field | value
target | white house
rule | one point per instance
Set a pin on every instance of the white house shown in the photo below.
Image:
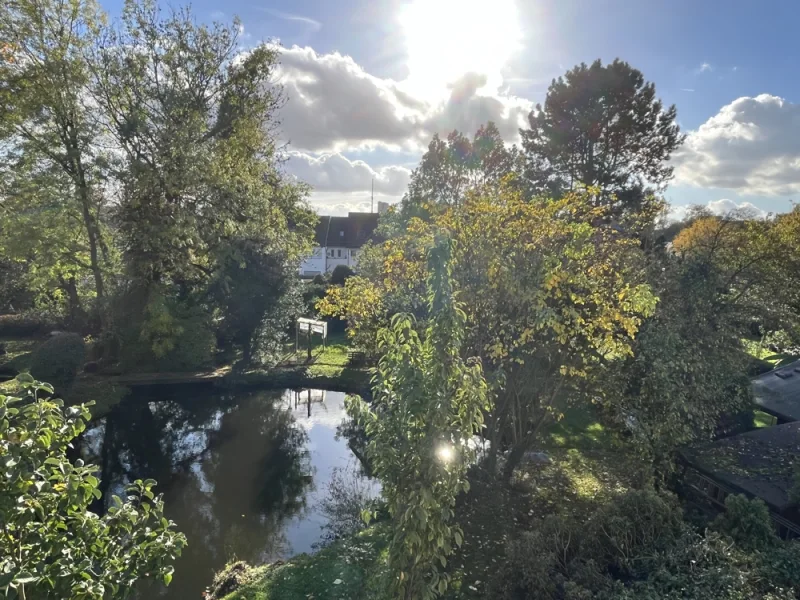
(339, 240)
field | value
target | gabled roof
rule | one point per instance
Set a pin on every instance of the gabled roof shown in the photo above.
(759, 463)
(352, 231)
(778, 392)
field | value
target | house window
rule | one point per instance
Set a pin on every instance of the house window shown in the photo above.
(341, 234)
(339, 253)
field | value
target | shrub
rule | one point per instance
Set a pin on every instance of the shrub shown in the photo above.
(172, 337)
(564, 558)
(637, 547)
(340, 274)
(52, 546)
(529, 570)
(746, 522)
(634, 523)
(58, 360)
(781, 565)
(25, 325)
(313, 293)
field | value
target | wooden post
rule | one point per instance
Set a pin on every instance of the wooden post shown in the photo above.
(309, 402)
(309, 344)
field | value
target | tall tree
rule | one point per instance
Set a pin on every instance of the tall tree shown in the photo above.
(550, 298)
(47, 126)
(453, 166)
(601, 126)
(194, 119)
(686, 378)
(755, 263)
(200, 178)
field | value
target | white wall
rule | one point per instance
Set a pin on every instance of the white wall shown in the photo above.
(337, 256)
(353, 264)
(325, 260)
(314, 264)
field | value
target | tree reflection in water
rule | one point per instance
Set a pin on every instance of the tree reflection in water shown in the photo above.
(236, 471)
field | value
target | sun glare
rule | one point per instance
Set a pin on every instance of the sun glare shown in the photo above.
(446, 453)
(447, 38)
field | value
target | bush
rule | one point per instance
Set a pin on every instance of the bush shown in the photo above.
(746, 522)
(564, 558)
(638, 547)
(340, 274)
(25, 325)
(529, 570)
(781, 565)
(52, 547)
(171, 337)
(634, 523)
(313, 293)
(58, 360)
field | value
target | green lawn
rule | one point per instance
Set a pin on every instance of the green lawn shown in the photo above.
(18, 353)
(762, 419)
(579, 427)
(343, 571)
(332, 353)
(756, 350)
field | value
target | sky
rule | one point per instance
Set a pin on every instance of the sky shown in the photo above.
(368, 83)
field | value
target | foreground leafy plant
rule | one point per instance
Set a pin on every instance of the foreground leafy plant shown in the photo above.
(428, 404)
(52, 545)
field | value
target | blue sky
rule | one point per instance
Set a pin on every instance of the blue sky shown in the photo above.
(370, 81)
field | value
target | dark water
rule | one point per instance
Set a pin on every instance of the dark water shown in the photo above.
(242, 474)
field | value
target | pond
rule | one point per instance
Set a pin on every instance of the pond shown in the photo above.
(242, 474)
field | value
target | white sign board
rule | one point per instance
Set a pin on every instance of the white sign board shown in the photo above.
(320, 327)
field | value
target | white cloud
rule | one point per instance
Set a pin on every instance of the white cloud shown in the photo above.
(725, 207)
(338, 204)
(704, 68)
(752, 146)
(469, 106)
(722, 207)
(336, 173)
(335, 105)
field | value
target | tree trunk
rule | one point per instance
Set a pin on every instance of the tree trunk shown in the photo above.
(76, 312)
(513, 459)
(89, 220)
(520, 447)
(92, 231)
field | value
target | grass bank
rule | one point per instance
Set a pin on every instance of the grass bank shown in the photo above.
(329, 368)
(346, 570)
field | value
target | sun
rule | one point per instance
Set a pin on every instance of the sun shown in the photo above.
(447, 38)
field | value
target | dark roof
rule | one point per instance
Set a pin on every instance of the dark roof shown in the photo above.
(778, 392)
(759, 462)
(352, 231)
